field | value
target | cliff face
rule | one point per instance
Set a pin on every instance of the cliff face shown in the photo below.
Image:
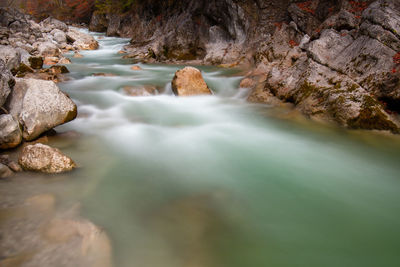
(217, 31)
(336, 60)
(214, 31)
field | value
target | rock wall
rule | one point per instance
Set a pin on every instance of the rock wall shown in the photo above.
(335, 60)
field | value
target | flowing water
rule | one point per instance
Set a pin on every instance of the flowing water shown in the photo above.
(215, 181)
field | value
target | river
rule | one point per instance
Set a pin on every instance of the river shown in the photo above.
(215, 181)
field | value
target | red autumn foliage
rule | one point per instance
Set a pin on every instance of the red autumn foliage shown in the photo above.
(357, 7)
(306, 6)
(79, 8)
(396, 58)
(73, 10)
(293, 43)
(278, 25)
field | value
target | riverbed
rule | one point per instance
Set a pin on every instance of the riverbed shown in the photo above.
(215, 180)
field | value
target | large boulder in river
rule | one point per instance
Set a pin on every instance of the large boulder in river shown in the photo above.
(39, 106)
(189, 81)
(43, 158)
(6, 82)
(10, 56)
(10, 133)
(81, 40)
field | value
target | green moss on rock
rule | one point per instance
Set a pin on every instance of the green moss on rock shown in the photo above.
(372, 117)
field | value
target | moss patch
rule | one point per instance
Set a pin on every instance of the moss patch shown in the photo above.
(371, 117)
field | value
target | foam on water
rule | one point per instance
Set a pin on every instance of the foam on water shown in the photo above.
(216, 181)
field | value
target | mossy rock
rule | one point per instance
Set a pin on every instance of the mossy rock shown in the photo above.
(36, 62)
(22, 70)
(372, 117)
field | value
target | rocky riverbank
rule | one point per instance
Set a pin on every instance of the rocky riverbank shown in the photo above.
(31, 104)
(34, 230)
(335, 61)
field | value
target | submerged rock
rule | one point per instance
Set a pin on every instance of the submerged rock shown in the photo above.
(5, 171)
(93, 243)
(43, 158)
(10, 133)
(103, 74)
(43, 203)
(144, 90)
(40, 106)
(136, 67)
(77, 55)
(189, 81)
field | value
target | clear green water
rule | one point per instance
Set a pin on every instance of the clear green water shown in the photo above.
(215, 181)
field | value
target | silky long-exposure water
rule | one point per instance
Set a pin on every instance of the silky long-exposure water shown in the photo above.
(215, 181)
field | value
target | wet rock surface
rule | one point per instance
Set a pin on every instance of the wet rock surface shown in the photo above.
(37, 232)
(189, 81)
(43, 158)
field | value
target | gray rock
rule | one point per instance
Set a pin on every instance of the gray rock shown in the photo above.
(50, 24)
(48, 49)
(6, 82)
(382, 35)
(320, 92)
(43, 158)
(330, 44)
(98, 22)
(10, 56)
(5, 171)
(39, 106)
(189, 81)
(385, 13)
(24, 54)
(306, 21)
(10, 133)
(59, 36)
(362, 57)
(343, 20)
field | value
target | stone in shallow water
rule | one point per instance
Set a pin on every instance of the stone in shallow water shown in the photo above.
(5, 171)
(143, 90)
(43, 203)
(78, 55)
(189, 81)
(136, 67)
(43, 158)
(10, 133)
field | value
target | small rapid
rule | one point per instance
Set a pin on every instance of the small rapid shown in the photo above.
(216, 181)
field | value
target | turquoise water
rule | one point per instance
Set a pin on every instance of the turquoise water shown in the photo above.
(216, 181)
